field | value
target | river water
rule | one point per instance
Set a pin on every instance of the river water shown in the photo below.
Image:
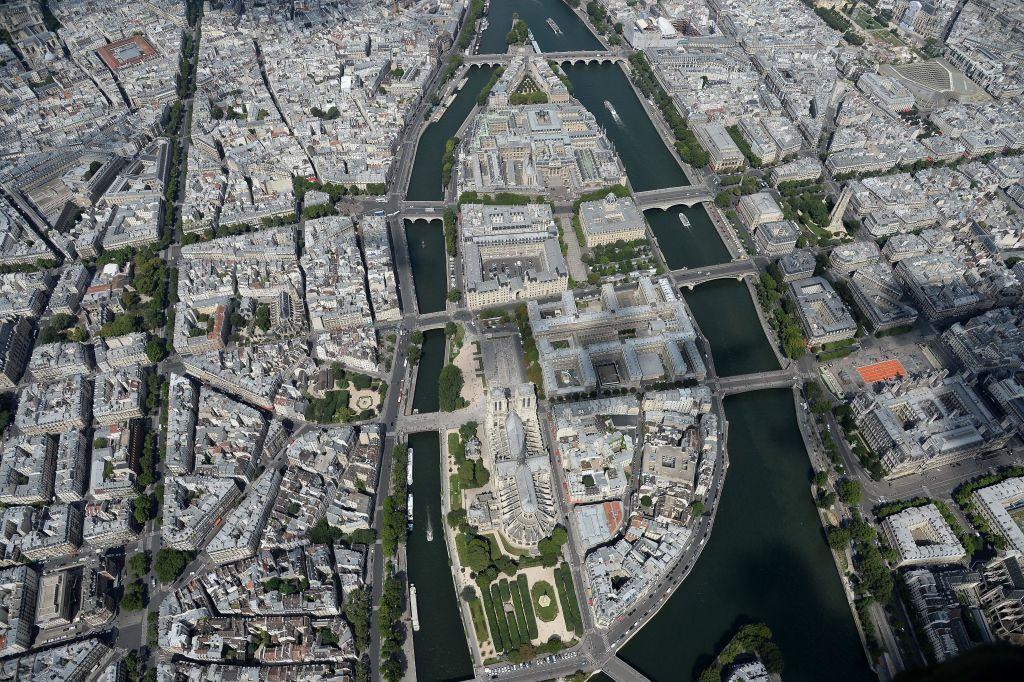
(574, 36)
(726, 315)
(440, 644)
(426, 256)
(766, 560)
(425, 181)
(425, 398)
(695, 246)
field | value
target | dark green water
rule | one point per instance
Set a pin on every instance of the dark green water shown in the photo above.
(425, 181)
(575, 35)
(426, 255)
(687, 247)
(431, 361)
(766, 560)
(725, 313)
(440, 644)
(648, 162)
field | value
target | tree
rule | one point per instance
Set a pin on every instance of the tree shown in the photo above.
(156, 349)
(450, 383)
(169, 564)
(838, 538)
(141, 508)
(697, 507)
(821, 479)
(263, 316)
(849, 491)
(134, 597)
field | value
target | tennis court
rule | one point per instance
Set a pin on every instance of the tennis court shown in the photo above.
(881, 371)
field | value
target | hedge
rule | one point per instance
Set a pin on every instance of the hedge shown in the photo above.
(567, 595)
(524, 624)
(515, 637)
(492, 620)
(524, 591)
(499, 613)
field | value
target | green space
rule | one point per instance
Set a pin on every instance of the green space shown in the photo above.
(781, 312)
(686, 143)
(476, 611)
(567, 595)
(544, 589)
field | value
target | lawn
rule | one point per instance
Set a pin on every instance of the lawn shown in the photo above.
(542, 589)
(476, 609)
(865, 20)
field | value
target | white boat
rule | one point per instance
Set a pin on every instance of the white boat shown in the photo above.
(414, 608)
(409, 510)
(611, 110)
(555, 28)
(684, 220)
(408, 469)
(430, 528)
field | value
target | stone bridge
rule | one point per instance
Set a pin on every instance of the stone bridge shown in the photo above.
(737, 269)
(577, 57)
(688, 195)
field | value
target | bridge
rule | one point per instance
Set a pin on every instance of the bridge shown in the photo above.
(737, 269)
(422, 210)
(687, 195)
(620, 671)
(440, 421)
(743, 383)
(578, 57)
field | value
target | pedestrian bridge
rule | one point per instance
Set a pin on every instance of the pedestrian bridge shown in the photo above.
(688, 195)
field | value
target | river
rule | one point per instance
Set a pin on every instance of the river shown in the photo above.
(726, 315)
(425, 397)
(695, 246)
(425, 181)
(766, 560)
(440, 644)
(574, 36)
(426, 256)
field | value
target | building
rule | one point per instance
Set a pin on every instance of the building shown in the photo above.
(716, 141)
(521, 479)
(1001, 504)
(799, 264)
(824, 316)
(510, 253)
(757, 209)
(918, 424)
(54, 407)
(15, 346)
(920, 535)
(611, 219)
(240, 536)
(878, 294)
(776, 238)
(194, 506)
(57, 532)
(19, 587)
(119, 396)
(846, 258)
(619, 337)
(888, 93)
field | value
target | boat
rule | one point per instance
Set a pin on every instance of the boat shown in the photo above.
(484, 24)
(611, 110)
(554, 27)
(408, 469)
(409, 510)
(684, 220)
(430, 528)
(462, 84)
(414, 608)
